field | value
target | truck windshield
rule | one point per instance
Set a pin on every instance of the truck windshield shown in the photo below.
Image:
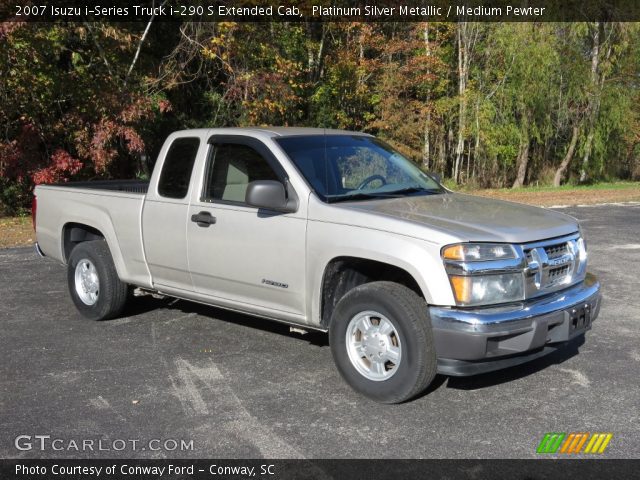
(355, 167)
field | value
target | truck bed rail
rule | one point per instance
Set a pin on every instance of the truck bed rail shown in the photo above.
(132, 186)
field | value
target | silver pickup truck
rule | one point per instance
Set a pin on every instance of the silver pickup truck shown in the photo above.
(334, 231)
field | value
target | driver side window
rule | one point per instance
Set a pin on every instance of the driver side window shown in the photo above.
(233, 167)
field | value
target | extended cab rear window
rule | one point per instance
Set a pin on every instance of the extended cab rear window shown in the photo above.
(177, 168)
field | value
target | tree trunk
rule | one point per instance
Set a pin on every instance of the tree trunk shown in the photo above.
(320, 57)
(426, 147)
(523, 161)
(594, 103)
(467, 35)
(476, 145)
(316, 58)
(442, 154)
(564, 165)
(466, 180)
(449, 148)
(463, 55)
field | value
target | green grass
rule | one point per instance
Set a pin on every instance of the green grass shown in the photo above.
(595, 186)
(617, 185)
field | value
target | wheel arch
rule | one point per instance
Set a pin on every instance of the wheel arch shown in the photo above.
(343, 273)
(75, 232)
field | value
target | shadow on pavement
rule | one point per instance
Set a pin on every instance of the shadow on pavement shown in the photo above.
(142, 305)
(498, 377)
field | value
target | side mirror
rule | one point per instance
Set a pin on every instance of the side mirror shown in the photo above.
(268, 194)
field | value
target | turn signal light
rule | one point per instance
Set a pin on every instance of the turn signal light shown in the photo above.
(461, 288)
(453, 252)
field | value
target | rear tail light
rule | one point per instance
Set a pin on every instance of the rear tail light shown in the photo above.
(34, 208)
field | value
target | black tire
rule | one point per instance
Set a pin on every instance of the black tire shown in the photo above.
(111, 294)
(409, 315)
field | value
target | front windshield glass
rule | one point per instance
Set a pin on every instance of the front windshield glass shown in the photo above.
(355, 167)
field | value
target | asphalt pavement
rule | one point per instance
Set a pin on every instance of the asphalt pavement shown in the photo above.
(178, 379)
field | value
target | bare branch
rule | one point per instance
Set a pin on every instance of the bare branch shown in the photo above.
(141, 42)
(99, 47)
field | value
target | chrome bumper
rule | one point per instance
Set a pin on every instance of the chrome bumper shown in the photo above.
(471, 341)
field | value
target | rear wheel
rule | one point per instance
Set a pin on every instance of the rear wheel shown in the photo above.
(382, 343)
(93, 282)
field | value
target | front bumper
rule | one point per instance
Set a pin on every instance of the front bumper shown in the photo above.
(479, 340)
(38, 250)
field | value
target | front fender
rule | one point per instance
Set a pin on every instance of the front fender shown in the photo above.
(421, 259)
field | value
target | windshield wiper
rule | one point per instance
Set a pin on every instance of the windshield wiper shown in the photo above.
(359, 196)
(377, 195)
(402, 191)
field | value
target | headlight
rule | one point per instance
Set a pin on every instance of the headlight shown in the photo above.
(484, 273)
(478, 252)
(487, 289)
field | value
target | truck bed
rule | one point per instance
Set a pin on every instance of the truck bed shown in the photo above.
(112, 207)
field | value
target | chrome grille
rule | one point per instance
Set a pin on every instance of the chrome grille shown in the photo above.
(555, 251)
(557, 275)
(552, 265)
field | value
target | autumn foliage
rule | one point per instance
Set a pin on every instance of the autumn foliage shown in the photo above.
(487, 104)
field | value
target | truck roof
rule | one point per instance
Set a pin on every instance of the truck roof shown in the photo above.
(271, 131)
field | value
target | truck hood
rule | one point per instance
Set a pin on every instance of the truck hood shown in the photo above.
(472, 218)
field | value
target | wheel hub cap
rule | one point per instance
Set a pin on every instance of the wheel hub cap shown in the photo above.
(87, 282)
(373, 345)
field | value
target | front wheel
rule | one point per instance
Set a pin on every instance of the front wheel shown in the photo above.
(93, 282)
(382, 343)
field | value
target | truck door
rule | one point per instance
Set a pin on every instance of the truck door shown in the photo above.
(164, 215)
(245, 257)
